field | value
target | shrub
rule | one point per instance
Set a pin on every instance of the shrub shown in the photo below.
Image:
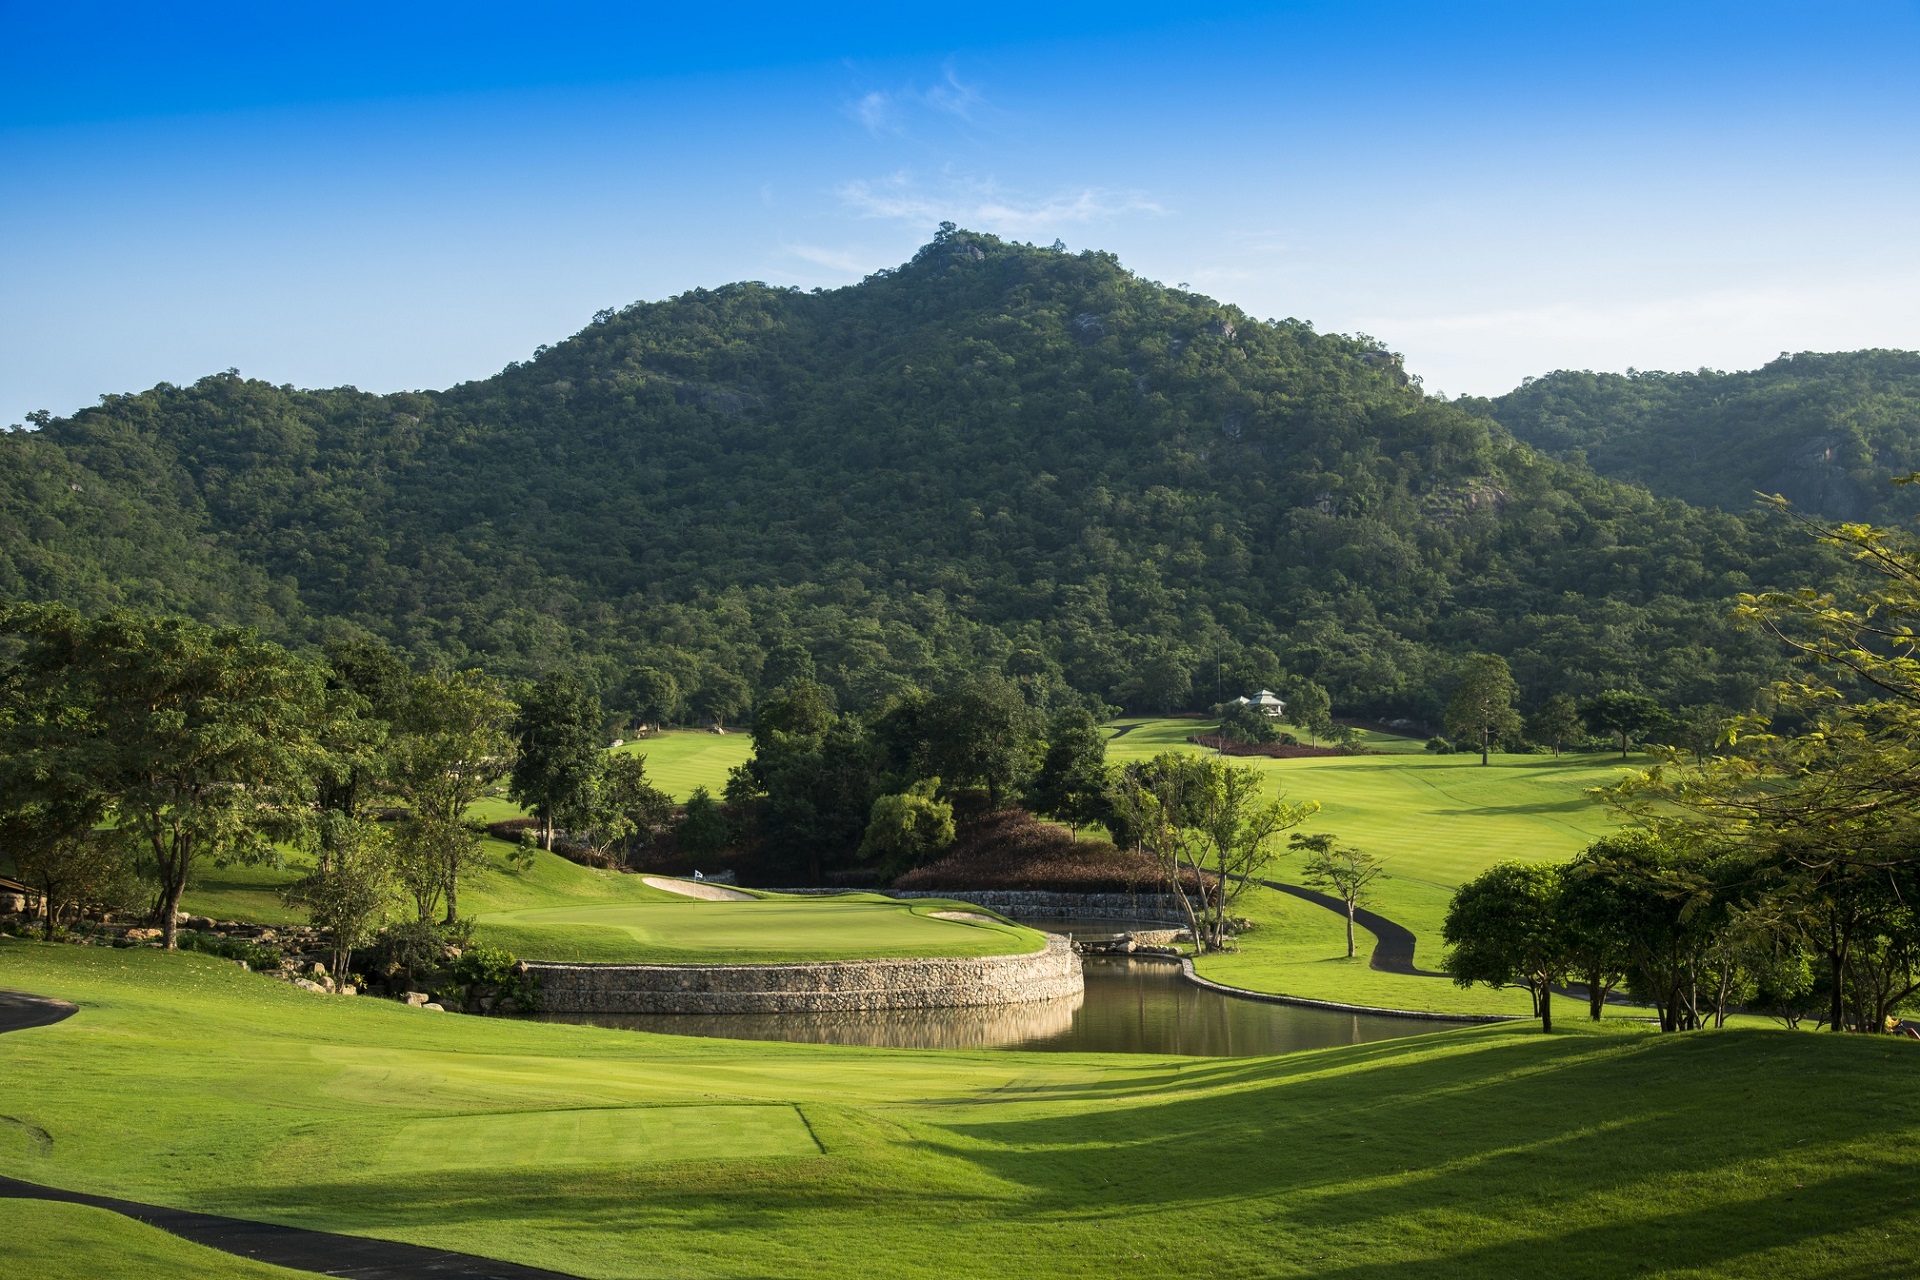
(1440, 746)
(486, 966)
(256, 956)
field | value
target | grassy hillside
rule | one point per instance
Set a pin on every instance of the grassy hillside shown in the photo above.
(51, 1241)
(1435, 821)
(1493, 1152)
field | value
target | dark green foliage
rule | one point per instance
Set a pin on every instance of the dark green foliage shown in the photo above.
(1242, 723)
(1309, 707)
(557, 733)
(1072, 783)
(1556, 722)
(973, 733)
(1624, 715)
(1824, 430)
(995, 458)
(488, 966)
(704, 828)
(1505, 927)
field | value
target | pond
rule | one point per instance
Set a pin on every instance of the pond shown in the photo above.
(1129, 1006)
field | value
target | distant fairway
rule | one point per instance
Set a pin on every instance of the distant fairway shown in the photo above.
(674, 930)
(681, 759)
(600, 1136)
(1436, 821)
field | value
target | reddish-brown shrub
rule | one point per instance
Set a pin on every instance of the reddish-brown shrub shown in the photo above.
(1272, 750)
(1011, 849)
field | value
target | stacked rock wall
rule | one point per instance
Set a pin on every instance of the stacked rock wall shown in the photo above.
(831, 986)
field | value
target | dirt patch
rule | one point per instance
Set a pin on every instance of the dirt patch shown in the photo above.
(696, 889)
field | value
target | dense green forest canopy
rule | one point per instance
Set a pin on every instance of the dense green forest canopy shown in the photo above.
(996, 457)
(1826, 431)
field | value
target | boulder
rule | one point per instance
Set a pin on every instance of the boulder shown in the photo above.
(414, 997)
(435, 1007)
(306, 985)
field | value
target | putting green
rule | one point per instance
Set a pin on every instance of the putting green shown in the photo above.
(756, 931)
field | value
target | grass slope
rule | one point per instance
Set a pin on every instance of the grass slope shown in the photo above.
(674, 930)
(1490, 1152)
(51, 1241)
(1435, 821)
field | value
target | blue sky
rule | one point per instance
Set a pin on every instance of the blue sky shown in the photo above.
(411, 195)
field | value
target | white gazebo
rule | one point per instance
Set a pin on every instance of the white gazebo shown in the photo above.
(1265, 702)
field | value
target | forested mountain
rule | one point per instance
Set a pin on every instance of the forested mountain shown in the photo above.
(995, 457)
(1826, 431)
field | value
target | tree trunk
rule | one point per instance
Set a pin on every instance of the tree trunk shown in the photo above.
(1349, 928)
(1546, 1007)
(170, 911)
(453, 899)
(1836, 1006)
(1486, 735)
(1596, 995)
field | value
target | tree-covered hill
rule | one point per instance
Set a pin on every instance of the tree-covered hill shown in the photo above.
(995, 457)
(1826, 431)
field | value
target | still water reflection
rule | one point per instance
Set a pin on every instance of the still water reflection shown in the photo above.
(1129, 1006)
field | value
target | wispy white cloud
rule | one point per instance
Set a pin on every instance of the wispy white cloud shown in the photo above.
(876, 112)
(953, 96)
(885, 112)
(983, 206)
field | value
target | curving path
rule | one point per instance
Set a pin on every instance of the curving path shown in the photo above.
(354, 1257)
(1393, 946)
(19, 1011)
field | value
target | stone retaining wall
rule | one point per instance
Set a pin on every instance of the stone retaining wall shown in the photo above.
(827, 987)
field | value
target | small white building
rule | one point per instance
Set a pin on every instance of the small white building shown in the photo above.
(1265, 702)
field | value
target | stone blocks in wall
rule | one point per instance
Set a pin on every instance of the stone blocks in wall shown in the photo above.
(832, 986)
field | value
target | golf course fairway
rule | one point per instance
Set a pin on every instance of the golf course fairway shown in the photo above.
(1493, 1152)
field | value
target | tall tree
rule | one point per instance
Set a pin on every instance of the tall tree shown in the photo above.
(349, 893)
(1624, 715)
(1481, 707)
(453, 744)
(1556, 723)
(1504, 928)
(653, 695)
(1208, 823)
(203, 740)
(1309, 707)
(1342, 870)
(557, 740)
(1072, 783)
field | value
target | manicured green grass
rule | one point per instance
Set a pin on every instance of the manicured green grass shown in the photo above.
(681, 759)
(46, 1240)
(1436, 821)
(1491, 1152)
(676, 930)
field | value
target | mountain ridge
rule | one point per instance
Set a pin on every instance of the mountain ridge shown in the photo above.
(994, 457)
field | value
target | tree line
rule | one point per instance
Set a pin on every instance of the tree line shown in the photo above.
(136, 751)
(1773, 865)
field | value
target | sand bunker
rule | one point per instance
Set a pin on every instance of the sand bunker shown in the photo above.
(973, 916)
(696, 889)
